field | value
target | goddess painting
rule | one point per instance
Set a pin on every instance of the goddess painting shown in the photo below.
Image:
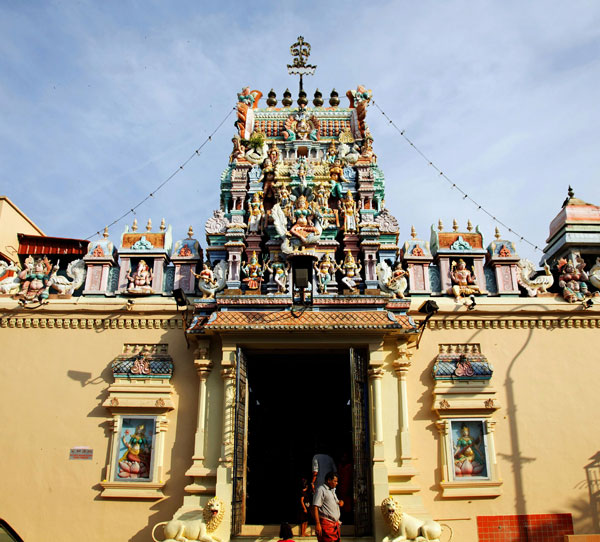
(469, 449)
(135, 449)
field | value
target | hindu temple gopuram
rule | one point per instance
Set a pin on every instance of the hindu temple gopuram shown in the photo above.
(163, 385)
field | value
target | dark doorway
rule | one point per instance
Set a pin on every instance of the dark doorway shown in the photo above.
(299, 404)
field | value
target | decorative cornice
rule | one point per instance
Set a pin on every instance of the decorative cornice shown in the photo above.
(91, 323)
(560, 322)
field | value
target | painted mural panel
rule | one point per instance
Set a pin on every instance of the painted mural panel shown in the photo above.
(469, 448)
(135, 449)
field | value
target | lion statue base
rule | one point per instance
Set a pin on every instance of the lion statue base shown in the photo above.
(199, 529)
(405, 527)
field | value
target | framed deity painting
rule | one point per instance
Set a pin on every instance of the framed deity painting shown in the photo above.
(468, 448)
(135, 449)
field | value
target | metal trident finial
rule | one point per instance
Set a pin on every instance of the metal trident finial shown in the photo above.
(301, 51)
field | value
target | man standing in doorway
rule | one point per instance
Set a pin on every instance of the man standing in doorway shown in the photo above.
(326, 510)
(321, 465)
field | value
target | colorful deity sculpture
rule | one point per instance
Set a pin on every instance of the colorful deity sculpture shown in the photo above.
(140, 282)
(212, 281)
(325, 271)
(351, 271)
(256, 213)
(267, 177)
(336, 176)
(322, 203)
(394, 281)
(349, 212)
(463, 281)
(238, 149)
(573, 278)
(135, 462)
(254, 273)
(303, 215)
(468, 458)
(331, 153)
(279, 271)
(35, 280)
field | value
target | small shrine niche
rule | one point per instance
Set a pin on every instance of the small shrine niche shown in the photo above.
(99, 260)
(503, 258)
(144, 257)
(465, 402)
(185, 257)
(138, 401)
(461, 258)
(418, 258)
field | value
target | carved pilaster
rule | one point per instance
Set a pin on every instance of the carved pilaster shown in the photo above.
(228, 375)
(401, 366)
(375, 376)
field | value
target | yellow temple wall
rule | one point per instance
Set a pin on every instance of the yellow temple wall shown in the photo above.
(13, 221)
(53, 382)
(545, 432)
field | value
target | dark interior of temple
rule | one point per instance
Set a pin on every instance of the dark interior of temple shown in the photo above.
(299, 405)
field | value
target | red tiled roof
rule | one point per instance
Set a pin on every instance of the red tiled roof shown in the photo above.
(306, 321)
(35, 244)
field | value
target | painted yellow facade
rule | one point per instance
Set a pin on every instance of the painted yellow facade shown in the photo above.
(13, 221)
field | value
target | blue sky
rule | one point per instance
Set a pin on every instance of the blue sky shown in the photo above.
(101, 101)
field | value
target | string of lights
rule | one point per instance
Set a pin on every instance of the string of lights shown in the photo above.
(452, 183)
(197, 152)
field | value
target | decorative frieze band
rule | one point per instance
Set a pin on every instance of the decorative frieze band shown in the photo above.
(545, 323)
(92, 323)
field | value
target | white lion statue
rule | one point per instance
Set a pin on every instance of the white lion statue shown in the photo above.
(406, 527)
(187, 530)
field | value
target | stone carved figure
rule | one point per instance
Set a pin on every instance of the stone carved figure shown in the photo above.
(199, 528)
(463, 281)
(594, 274)
(35, 279)
(394, 281)
(349, 154)
(238, 149)
(336, 176)
(9, 278)
(217, 223)
(351, 271)
(254, 273)
(404, 527)
(256, 213)
(573, 278)
(140, 281)
(325, 271)
(279, 271)
(302, 127)
(534, 286)
(211, 281)
(75, 270)
(349, 212)
(247, 99)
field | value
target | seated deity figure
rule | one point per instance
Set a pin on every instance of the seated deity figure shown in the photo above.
(463, 281)
(325, 270)
(254, 273)
(279, 271)
(348, 208)
(256, 213)
(351, 271)
(35, 280)
(468, 458)
(140, 282)
(303, 216)
(327, 214)
(573, 279)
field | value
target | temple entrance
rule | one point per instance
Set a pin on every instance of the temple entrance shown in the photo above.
(295, 404)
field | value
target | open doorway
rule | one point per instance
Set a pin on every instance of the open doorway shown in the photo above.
(299, 404)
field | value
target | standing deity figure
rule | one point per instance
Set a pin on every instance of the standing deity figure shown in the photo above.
(463, 281)
(322, 204)
(256, 213)
(35, 280)
(303, 216)
(348, 208)
(573, 279)
(273, 154)
(284, 199)
(336, 176)
(254, 273)
(140, 282)
(279, 271)
(367, 148)
(351, 271)
(325, 270)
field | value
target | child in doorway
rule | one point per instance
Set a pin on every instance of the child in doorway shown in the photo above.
(305, 500)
